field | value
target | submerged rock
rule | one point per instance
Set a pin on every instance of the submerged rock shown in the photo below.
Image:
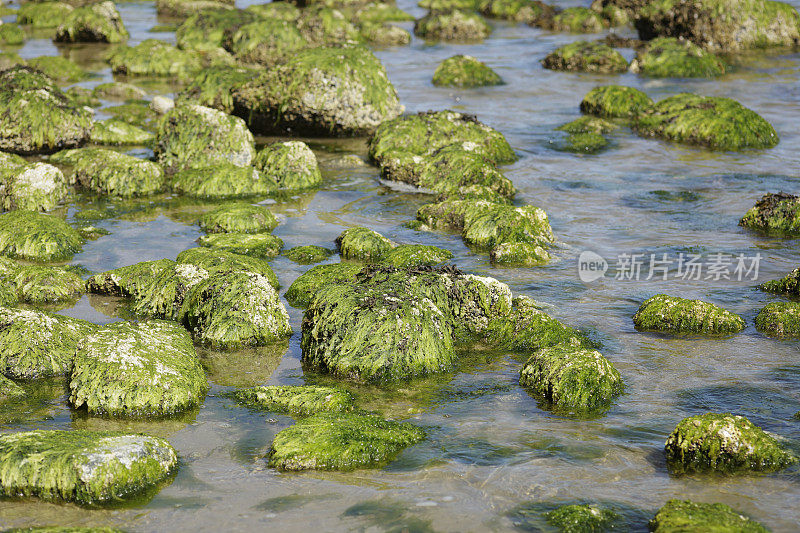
(43, 15)
(531, 12)
(583, 143)
(779, 319)
(30, 186)
(341, 441)
(137, 369)
(307, 255)
(715, 122)
(685, 515)
(11, 34)
(58, 68)
(292, 165)
(588, 124)
(82, 466)
(455, 25)
(582, 518)
(117, 132)
(36, 237)
(774, 212)
(238, 218)
(583, 56)
(671, 314)
(224, 180)
(464, 71)
(578, 20)
(261, 245)
(301, 400)
(152, 57)
(115, 90)
(10, 390)
(724, 443)
(304, 288)
(789, 284)
(363, 243)
(614, 101)
(46, 285)
(320, 91)
(100, 22)
(667, 57)
(112, 173)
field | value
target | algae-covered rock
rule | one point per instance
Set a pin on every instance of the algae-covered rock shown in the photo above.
(116, 90)
(583, 143)
(304, 288)
(615, 101)
(722, 25)
(100, 23)
(292, 165)
(326, 26)
(261, 245)
(278, 9)
(36, 344)
(578, 20)
(715, 122)
(136, 113)
(583, 56)
(36, 117)
(774, 212)
(224, 180)
(301, 400)
(307, 255)
(37, 237)
(118, 132)
(464, 71)
(265, 42)
(588, 124)
(44, 14)
(779, 319)
(185, 8)
(582, 518)
(341, 441)
(112, 173)
(82, 466)
(684, 515)
(30, 186)
(137, 369)
(385, 34)
(321, 91)
(456, 25)
(667, 57)
(10, 59)
(11, 34)
(214, 86)
(194, 136)
(789, 284)
(238, 218)
(215, 260)
(58, 68)
(152, 57)
(81, 97)
(724, 443)
(205, 30)
(415, 255)
(531, 12)
(381, 12)
(43, 284)
(10, 390)
(447, 5)
(126, 280)
(671, 314)
(363, 243)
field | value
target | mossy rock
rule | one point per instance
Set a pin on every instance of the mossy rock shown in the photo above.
(277, 9)
(519, 254)
(112, 173)
(261, 245)
(135, 113)
(267, 42)
(30, 186)
(37, 344)
(185, 8)
(578, 20)
(193, 136)
(238, 218)
(385, 34)
(789, 284)
(341, 441)
(223, 261)
(671, 314)
(415, 255)
(292, 165)
(81, 97)
(36, 117)
(774, 212)
(448, 5)
(10, 390)
(213, 86)
(11, 34)
(82, 466)
(154, 58)
(722, 25)
(714, 122)
(37, 237)
(44, 14)
(724, 443)
(127, 280)
(117, 132)
(116, 90)
(684, 515)
(667, 57)
(779, 319)
(224, 180)
(137, 369)
(58, 68)
(464, 71)
(45, 285)
(205, 30)
(531, 12)
(10, 59)
(615, 101)
(378, 12)
(307, 255)
(456, 25)
(583, 56)
(94, 23)
(321, 91)
(364, 244)
(588, 124)
(300, 400)
(583, 143)
(325, 26)
(582, 518)
(305, 287)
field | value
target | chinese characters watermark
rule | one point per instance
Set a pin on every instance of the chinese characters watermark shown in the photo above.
(644, 267)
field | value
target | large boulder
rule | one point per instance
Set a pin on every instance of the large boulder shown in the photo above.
(99, 23)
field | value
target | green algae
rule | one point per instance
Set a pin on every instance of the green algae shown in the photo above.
(215, 260)
(58, 68)
(325, 26)
(82, 466)
(307, 255)
(464, 71)
(127, 280)
(152, 57)
(455, 25)
(789, 284)
(667, 57)
(415, 255)
(385, 34)
(582, 518)
(684, 515)
(111, 173)
(118, 132)
(779, 319)
(11, 34)
(116, 90)
(238, 218)
(267, 42)
(380, 12)
(81, 97)
(615, 101)
(341, 441)
(185, 8)
(10, 390)
(583, 56)
(292, 165)
(43, 15)
(305, 287)
(363, 243)
(205, 29)
(261, 245)
(588, 124)
(531, 12)
(671, 314)
(30, 186)
(301, 400)
(100, 22)
(775, 213)
(724, 443)
(578, 20)
(519, 254)
(136, 113)
(277, 9)
(43, 285)
(37, 237)
(137, 369)
(213, 86)
(224, 180)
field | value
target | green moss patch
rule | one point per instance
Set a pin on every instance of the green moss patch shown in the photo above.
(302, 400)
(684, 515)
(292, 165)
(304, 288)
(464, 71)
(37, 237)
(615, 101)
(307, 255)
(238, 218)
(582, 518)
(667, 57)
(112, 173)
(455, 25)
(671, 314)
(779, 319)
(775, 213)
(583, 56)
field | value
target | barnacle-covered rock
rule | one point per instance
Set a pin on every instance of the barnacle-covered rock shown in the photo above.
(37, 344)
(205, 30)
(194, 136)
(779, 319)
(307, 255)
(341, 441)
(238, 218)
(137, 369)
(615, 101)
(152, 57)
(531, 12)
(578, 20)
(46, 285)
(320, 91)
(214, 86)
(667, 57)
(115, 131)
(58, 68)
(671, 314)
(82, 466)
(111, 173)
(464, 71)
(100, 22)
(363, 243)
(715, 122)
(44, 14)
(223, 180)
(297, 399)
(267, 41)
(724, 443)
(583, 56)
(455, 25)
(30, 186)
(582, 518)
(685, 515)
(254, 244)
(789, 284)
(774, 212)
(37, 237)
(292, 165)
(304, 288)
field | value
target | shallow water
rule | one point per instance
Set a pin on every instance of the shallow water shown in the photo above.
(493, 459)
